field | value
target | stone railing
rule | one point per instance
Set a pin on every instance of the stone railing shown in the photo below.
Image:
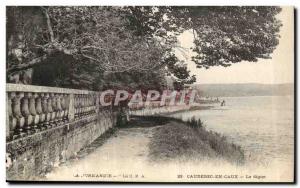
(155, 108)
(46, 126)
(137, 106)
(31, 109)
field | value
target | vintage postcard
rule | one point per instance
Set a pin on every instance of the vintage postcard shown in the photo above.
(150, 94)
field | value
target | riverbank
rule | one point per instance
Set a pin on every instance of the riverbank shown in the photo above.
(187, 141)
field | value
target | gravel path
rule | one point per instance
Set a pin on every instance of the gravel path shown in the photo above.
(124, 154)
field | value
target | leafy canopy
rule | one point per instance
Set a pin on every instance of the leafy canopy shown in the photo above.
(222, 35)
(100, 43)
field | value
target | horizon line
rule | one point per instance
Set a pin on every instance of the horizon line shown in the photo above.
(243, 83)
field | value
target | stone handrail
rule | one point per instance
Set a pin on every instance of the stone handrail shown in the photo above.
(137, 106)
(31, 109)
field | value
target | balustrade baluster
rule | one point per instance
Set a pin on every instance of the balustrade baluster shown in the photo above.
(80, 106)
(39, 112)
(87, 104)
(28, 111)
(67, 104)
(59, 109)
(12, 119)
(90, 104)
(63, 107)
(83, 103)
(77, 106)
(80, 102)
(33, 111)
(16, 108)
(53, 110)
(88, 101)
(25, 112)
(94, 103)
(44, 116)
(49, 111)
(88, 97)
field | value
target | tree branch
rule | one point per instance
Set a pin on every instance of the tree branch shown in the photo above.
(27, 65)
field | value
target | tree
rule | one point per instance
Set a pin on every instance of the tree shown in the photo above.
(102, 42)
(92, 43)
(93, 34)
(222, 35)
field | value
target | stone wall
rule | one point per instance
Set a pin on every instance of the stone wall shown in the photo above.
(40, 139)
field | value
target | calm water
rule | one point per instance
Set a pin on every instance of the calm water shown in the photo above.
(263, 126)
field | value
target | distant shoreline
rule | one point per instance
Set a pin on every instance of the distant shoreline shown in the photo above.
(220, 97)
(240, 90)
(250, 83)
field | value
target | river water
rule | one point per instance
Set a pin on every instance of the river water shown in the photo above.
(262, 125)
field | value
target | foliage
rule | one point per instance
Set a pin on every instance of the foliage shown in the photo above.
(222, 35)
(94, 34)
(91, 41)
(195, 123)
(132, 45)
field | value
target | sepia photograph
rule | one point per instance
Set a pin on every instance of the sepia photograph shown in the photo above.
(151, 94)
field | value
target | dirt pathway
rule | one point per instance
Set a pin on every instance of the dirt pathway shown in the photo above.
(124, 154)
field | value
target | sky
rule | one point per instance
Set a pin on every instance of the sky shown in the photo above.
(279, 69)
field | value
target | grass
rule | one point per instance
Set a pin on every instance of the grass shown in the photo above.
(177, 139)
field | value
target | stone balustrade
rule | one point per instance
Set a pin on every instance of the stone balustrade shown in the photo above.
(154, 108)
(47, 126)
(31, 109)
(138, 106)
